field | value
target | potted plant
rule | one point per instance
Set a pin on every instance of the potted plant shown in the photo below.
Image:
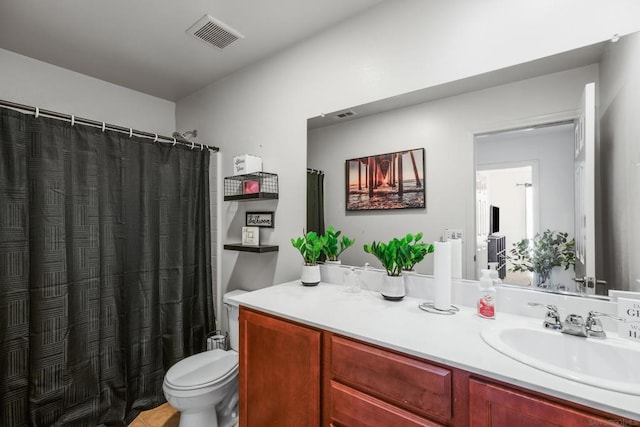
(542, 253)
(310, 247)
(333, 246)
(395, 256)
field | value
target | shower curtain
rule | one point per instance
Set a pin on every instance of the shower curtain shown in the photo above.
(105, 270)
(315, 201)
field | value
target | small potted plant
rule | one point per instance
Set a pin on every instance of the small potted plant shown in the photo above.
(310, 247)
(394, 256)
(541, 254)
(333, 246)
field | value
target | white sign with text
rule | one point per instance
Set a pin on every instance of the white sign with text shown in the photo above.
(629, 309)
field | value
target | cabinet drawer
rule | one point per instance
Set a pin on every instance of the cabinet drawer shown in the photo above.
(405, 382)
(352, 408)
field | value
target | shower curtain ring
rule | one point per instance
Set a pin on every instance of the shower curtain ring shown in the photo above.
(104, 126)
(156, 138)
(192, 144)
(37, 112)
(130, 132)
(73, 120)
(174, 142)
(201, 147)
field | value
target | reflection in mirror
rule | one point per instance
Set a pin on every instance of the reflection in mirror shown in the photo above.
(525, 186)
(452, 120)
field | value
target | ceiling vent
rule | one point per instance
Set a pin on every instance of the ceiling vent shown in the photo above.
(344, 115)
(214, 32)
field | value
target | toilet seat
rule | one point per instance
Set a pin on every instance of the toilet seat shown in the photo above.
(202, 370)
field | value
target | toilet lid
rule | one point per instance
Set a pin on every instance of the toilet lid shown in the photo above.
(202, 369)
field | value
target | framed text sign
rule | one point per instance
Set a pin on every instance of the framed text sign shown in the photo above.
(260, 219)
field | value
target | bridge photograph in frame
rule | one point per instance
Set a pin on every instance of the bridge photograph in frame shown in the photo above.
(386, 181)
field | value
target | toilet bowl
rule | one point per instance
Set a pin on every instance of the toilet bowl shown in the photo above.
(204, 387)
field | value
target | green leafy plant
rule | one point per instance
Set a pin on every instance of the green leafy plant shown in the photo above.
(542, 253)
(399, 253)
(333, 246)
(310, 247)
(418, 250)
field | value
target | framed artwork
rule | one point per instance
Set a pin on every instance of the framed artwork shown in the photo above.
(259, 219)
(386, 181)
(250, 236)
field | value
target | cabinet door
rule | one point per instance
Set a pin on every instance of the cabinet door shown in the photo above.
(279, 372)
(496, 406)
(349, 407)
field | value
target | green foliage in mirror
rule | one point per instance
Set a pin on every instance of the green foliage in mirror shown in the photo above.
(333, 246)
(310, 247)
(542, 253)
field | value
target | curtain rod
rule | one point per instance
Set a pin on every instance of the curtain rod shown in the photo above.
(102, 125)
(315, 171)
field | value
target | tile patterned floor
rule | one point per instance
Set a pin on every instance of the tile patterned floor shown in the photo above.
(162, 416)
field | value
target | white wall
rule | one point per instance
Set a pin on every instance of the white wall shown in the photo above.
(620, 156)
(503, 192)
(35, 83)
(445, 128)
(396, 47)
(552, 150)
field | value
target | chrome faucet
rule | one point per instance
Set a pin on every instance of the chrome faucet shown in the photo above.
(552, 318)
(574, 324)
(594, 326)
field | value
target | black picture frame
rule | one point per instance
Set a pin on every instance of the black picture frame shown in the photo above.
(386, 181)
(264, 219)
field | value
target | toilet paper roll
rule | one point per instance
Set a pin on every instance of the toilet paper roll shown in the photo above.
(442, 275)
(456, 258)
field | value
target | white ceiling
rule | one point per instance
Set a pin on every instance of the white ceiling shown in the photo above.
(142, 44)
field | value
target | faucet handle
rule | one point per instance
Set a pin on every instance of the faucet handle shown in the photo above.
(552, 318)
(594, 326)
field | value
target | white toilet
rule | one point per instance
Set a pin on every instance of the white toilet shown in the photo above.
(204, 387)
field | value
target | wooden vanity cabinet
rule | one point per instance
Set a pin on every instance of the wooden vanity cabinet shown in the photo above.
(295, 375)
(279, 380)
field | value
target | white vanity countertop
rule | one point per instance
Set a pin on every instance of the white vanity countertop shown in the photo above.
(452, 340)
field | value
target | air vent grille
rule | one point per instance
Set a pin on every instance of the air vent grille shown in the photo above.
(344, 115)
(214, 32)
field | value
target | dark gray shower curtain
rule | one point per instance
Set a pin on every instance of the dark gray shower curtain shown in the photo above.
(105, 270)
(315, 201)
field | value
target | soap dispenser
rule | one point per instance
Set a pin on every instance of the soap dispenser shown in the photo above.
(486, 301)
(495, 276)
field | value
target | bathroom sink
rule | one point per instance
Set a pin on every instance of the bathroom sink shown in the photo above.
(610, 363)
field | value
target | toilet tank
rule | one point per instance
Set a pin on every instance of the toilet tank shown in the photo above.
(233, 311)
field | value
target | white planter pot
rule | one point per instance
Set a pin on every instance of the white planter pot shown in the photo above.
(310, 275)
(392, 288)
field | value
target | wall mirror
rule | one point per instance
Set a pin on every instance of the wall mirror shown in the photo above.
(506, 123)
